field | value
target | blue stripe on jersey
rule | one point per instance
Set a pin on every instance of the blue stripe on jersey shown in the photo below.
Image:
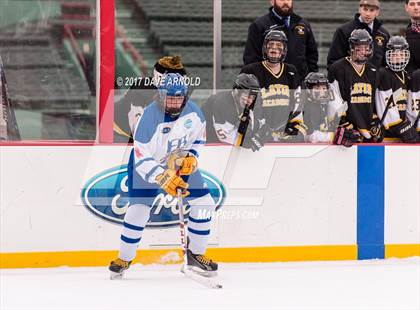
(370, 201)
(129, 240)
(194, 152)
(151, 172)
(206, 220)
(199, 142)
(144, 160)
(133, 227)
(199, 232)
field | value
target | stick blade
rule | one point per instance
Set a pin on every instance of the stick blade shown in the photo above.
(207, 282)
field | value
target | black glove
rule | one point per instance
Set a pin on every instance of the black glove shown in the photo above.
(346, 136)
(295, 128)
(405, 131)
(295, 132)
(254, 140)
(376, 131)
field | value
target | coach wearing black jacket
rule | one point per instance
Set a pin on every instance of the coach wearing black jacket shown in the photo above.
(301, 45)
(365, 19)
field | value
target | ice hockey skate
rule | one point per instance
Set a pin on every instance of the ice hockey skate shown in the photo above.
(201, 265)
(117, 268)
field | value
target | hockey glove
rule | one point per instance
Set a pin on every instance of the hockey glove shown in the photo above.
(376, 131)
(186, 165)
(347, 137)
(295, 128)
(405, 131)
(170, 182)
(255, 142)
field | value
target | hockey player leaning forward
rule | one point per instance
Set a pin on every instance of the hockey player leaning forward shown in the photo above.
(225, 114)
(392, 90)
(353, 81)
(167, 140)
(319, 120)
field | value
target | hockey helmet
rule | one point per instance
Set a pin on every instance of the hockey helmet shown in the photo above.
(317, 88)
(173, 93)
(276, 36)
(397, 53)
(245, 85)
(360, 37)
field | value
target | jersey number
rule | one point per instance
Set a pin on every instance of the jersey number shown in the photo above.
(221, 134)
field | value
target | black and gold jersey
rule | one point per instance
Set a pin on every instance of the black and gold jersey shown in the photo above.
(279, 92)
(357, 89)
(393, 89)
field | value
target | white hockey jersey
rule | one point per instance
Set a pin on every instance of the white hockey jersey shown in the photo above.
(157, 135)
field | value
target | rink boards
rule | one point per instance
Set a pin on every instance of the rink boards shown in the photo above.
(284, 203)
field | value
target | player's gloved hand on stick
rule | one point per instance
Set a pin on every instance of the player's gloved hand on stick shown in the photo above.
(376, 131)
(255, 141)
(295, 128)
(185, 165)
(169, 181)
(346, 136)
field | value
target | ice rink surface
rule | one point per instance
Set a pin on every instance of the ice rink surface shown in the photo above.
(378, 284)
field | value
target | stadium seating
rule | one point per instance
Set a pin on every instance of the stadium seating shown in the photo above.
(44, 75)
(185, 27)
(39, 75)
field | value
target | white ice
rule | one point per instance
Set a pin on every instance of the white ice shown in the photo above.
(379, 284)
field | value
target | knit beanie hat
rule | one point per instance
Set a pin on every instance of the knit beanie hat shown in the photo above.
(170, 64)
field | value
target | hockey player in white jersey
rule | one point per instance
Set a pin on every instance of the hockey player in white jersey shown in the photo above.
(167, 141)
(392, 92)
(413, 106)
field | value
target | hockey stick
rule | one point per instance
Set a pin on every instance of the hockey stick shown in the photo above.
(208, 282)
(243, 124)
(376, 130)
(236, 149)
(388, 105)
(8, 125)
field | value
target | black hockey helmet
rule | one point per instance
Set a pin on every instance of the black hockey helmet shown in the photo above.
(245, 82)
(397, 53)
(317, 87)
(360, 37)
(274, 35)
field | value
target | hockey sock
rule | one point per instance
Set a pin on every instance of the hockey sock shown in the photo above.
(134, 222)
(199, 223)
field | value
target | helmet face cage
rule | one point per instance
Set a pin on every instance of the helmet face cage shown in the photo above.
(318, 88)
(173, 93)
(397, 54)
(366, 57)
(397, 60)
(360, 37)
(278, 36)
